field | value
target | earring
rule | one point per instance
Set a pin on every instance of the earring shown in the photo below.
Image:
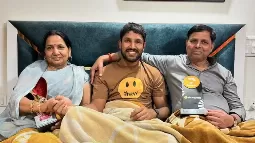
(70, 59)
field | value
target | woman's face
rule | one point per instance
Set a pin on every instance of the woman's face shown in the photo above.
(56, 51)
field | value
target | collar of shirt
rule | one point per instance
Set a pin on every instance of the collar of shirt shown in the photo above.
(212, 60)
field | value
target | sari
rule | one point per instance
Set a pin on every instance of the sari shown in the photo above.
(67, 82)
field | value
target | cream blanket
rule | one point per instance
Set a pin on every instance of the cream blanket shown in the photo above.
(115, 126)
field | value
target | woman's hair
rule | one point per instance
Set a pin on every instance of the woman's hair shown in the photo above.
(59, 33)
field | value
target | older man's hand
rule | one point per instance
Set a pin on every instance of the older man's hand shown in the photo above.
(220, 119)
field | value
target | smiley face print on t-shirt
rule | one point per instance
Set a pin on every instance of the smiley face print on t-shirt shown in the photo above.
(130, 87)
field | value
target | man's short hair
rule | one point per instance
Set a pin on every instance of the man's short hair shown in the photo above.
(136, 28)
(201, 28)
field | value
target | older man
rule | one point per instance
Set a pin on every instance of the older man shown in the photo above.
(219, 89)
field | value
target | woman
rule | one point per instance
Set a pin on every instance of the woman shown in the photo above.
(67, 85)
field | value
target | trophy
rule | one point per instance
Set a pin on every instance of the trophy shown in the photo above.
(192, 97)
(39, 94)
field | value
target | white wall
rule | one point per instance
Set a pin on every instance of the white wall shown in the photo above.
(249, 90)
(2, 51)
(232, 11)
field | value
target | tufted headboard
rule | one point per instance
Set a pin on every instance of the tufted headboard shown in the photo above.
(92, 39)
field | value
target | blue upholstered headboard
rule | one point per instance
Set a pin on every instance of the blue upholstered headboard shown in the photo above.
(92, 39)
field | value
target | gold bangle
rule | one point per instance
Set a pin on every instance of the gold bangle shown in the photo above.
(32, 107)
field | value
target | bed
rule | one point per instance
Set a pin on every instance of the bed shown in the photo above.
(92, 39)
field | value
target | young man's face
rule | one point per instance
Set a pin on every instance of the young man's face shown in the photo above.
(131, 46)
(199, 46)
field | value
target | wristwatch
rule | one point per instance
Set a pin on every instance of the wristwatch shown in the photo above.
(157, 112)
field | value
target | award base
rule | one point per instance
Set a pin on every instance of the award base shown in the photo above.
(192, 97)
(200, 111)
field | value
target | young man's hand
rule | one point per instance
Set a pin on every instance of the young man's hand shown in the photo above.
(97, 66)
(143, 113)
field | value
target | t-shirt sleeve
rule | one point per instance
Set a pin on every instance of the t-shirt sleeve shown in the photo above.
(100, 88)
(159, 86)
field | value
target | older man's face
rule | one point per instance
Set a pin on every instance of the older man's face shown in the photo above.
(199, 46)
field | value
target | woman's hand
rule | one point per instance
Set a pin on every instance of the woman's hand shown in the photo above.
(62, 106)
(47, 106)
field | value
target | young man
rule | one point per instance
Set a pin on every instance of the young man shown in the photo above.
(130, 79)
(131, 94)
(219, 89)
